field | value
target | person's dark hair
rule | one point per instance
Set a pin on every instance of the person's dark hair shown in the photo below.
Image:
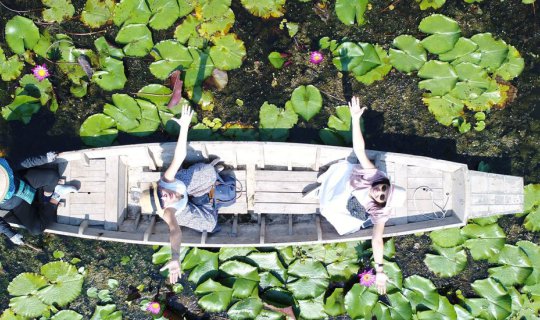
(381, 181)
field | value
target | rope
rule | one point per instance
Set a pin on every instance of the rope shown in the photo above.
(437, 209)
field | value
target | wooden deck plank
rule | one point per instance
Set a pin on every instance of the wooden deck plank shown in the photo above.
(421, 172)
(433, 183)
(111, 196)
(421, 194)
(90, 175)
(277, 186)
(87, 208)
(402, 180)
(88, 197)
(292, 208)
(286, 176)
(283, 197)
(91, 186)
(94, 165)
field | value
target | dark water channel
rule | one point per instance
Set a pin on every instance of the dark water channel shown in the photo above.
(396, 121)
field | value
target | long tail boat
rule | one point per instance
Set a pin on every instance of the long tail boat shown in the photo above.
(271, 208)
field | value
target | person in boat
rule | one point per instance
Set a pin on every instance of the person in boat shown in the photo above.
(183, 196)
(31, 193)
(355, 196)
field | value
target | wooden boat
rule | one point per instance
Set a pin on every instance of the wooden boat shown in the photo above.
(271, 209)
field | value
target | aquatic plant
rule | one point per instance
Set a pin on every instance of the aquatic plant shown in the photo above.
(106, 312)
(339, 128)
(96, 13)
(275, 122)
(265, 9)
(277, 59)
(153, 307)
(367, 278)
(137, 39)
(532, 207)
(21, 33)
(316, 57)
(448, 262)
(10, 68)
(57, 10)
(41, 72)
(409, 56)
(306, 101)
(349, 11)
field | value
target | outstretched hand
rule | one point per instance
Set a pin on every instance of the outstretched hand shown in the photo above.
(174, 270)
(354, 107)
(380, 282)
(185, 118)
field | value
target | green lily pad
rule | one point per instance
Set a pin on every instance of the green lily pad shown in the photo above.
(441, 77)
(447, 238)
(462, 48)
(269, 280)
(8, 314)
(98, 130)
(312, 279)
(79, 91)
(513, 65)
(472, 74)
(137, 39)
(532, 221)
(341, 122)
(245, 309)
(58, 10)
(494, 52)
(312, 308)
(124, 119)
(335, 303)
(449, 262)
(240, 270)
(216, 301)
(156, 93)
(21, 108)
(426, 4)
(306, 101)
(131, 12)
(531, 197)
(348, 55)
(342, 270)
(26, 283)
(164, 14)
(411, 55)
(170, 55)
(487, 99)
(243, 288)
(112, 76)
(186, 7)
(268, 261)
(445, 108)
(492, 231)
(21, 33)
(28, 306)
(96, 13)
(359, 302)
(275, 122)
(276, 59)
(349, 11)
(497, 304)
(106, 49)
(445, 310)
(10, 68)
(210, 286)
(106, 312)
(200, 69)
(368, 61)
(228, 52)
(42, 89)
(444, 31)
(66, 283)
(216, 26)
(265, 9)
(421, 291)
(67, 315)
(399, 307)
(379, 71)
(149, 121)
(187, 29)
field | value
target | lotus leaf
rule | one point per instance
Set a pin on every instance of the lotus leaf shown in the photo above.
(240, 270)
(164, 13)
(485, 220)
(187, 29)
(10, 68)
(58, 10)
(275, 122)
(306, 101)
(200, 69)
(268, 261)
(66, 283)
(490, 97)
(26, 283)
(445, 108)
(335, 303)
(28, 306)
(67, 315)
(210, 286)
(359, 302)
(426, 4)
(228, 52)
(243, 288)
(9, 315)
(379, 71)
(107, 312)
(348, 11)
(494, 292)
(531, 197)
(444, 31)
(98, 130)
(421, 292)
(349, 55)
(216, 26)
(155, 93)
(312, 308)
(112, 76)
(312, 279)
(269, 280)
(411, 55)
(473, 75)
(216, 301)
(276, 59)
(170, 55)
(513, 65)
(532, 221)
(342, 270)
(21, 33)
(22, 108)
(245, 309)
(441, 77)
(125, 116)
(137, 39)
(462, 48)
(445, 310)
(447, 238)
(131, 12)
(492, 231)
(449, 262)
(42, 89)
(106, 49)
(97, 12)
(494, 52)
(265, 9)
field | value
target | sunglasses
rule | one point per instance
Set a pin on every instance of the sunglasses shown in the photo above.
(382, 197)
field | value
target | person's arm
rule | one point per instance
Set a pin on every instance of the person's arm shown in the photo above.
(377, 245)
(181, 145)
(359, 146)
(175, 237)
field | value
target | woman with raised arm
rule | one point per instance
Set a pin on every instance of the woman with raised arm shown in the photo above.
(355, 196)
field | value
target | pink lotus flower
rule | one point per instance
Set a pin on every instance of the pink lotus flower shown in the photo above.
(41, 72)
(316, 57)
(367, 278)
(153, 307)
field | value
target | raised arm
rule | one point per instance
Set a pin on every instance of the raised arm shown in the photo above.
(377, 245)
(175, 236)
(181, 145)
(359, 145)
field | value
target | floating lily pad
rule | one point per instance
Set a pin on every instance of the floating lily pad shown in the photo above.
(379, 71)
(359, 302)
(532, 221)
(112, 76)
(426, 4)
(486, 241)
(421, 291)
(245, 309)
(441, 77)
(339, 128)
(335, 303)
(28, 306)
(137, 39)
(349, 11)
(313, 279)
(26, 283)
(516, 266)
(21, 33)
(170, 55)
(107, 312)
(306, 101)
(312, 308)
(447, 238)
(499, 304)
(462, 48)
(200, 69)
(487, 99)
(265, 9)
(444, 31)
(106, 49)
(240, 270)
(513, 65)
(67, 315)
(131, 12)
(164, 14)
(217, 25)
(268, 261)
(275, 122)
(217, 298)
(411, 55)
(449, 262)
(21, 108)
(445, 108)
(187, 29)
(98, 130)
(155, 93)
(58, 10)
(494, 52)
(228, 52)
(10, 68)
(96, 13)
(125, 112)
(8, 314)
(347, 56)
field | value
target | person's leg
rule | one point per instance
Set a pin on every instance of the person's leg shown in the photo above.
(28, 215)
(42, 178)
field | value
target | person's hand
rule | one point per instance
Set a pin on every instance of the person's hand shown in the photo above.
(17, 239)
(185, 118)
(380, 282)
(174, 270)
(51, 156)
(354, 107)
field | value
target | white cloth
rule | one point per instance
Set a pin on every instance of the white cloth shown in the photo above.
(334, 193)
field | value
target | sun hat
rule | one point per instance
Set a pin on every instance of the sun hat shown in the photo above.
(150, 198)
(7, 185)
(396, 197)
